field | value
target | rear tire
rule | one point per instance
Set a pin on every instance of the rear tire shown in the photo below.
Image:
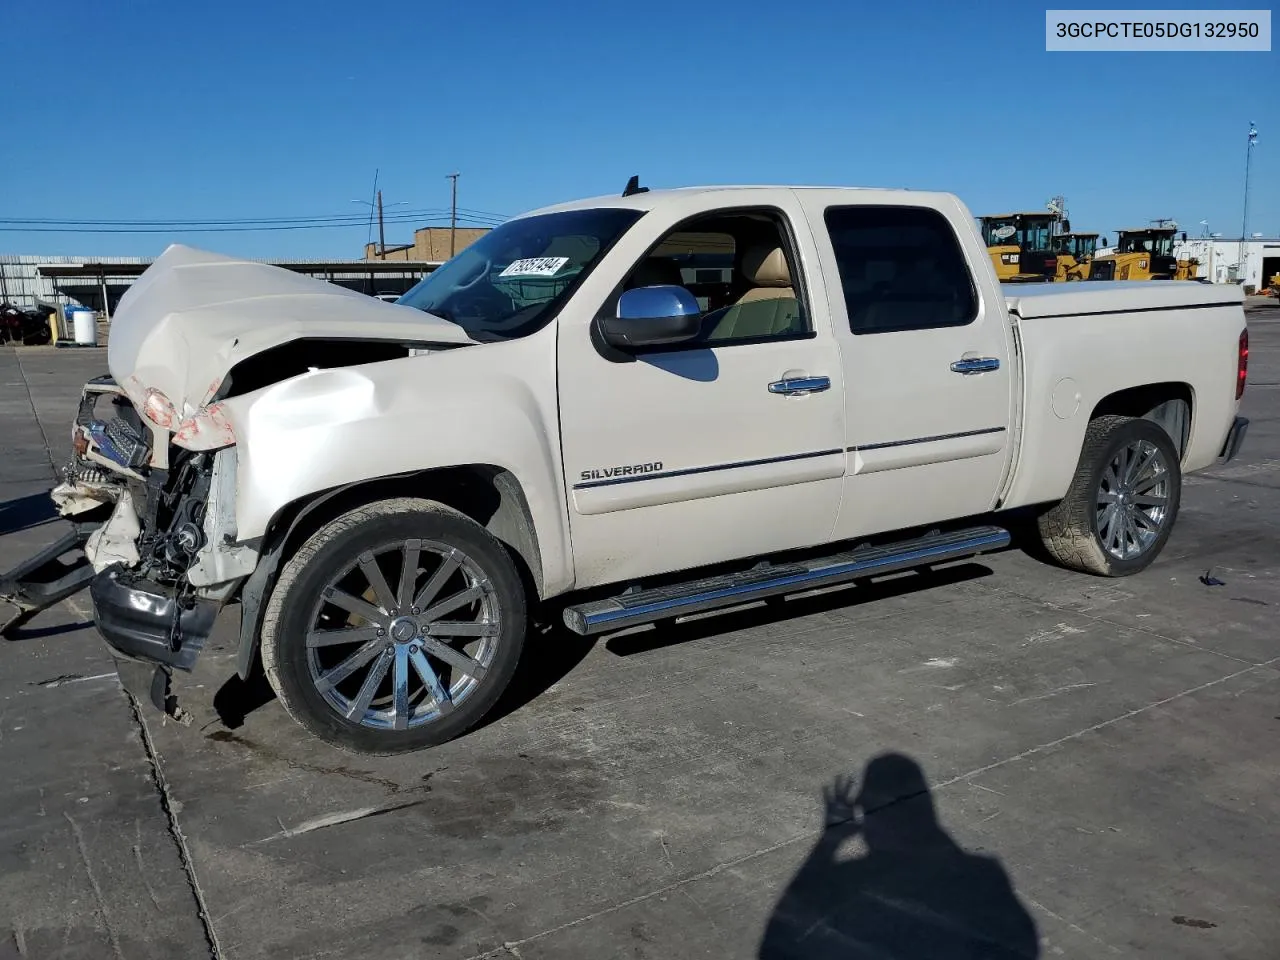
(395, 627)
(1122, 502)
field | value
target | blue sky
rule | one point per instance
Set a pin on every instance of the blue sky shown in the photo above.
(283, 108)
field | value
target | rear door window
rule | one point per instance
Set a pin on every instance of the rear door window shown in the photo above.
(901, 268)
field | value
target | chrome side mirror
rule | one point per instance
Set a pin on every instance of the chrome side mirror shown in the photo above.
(652, 316)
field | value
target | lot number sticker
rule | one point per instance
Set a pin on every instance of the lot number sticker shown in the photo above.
(534, 267)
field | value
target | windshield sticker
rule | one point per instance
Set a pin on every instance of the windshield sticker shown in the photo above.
(1005, 232)
(534, 267)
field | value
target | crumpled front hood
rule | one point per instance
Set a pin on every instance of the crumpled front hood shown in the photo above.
(193, 315)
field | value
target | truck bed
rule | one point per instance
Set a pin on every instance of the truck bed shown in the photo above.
(1116, 296)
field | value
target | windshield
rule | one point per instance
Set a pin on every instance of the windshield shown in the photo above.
(1028, 232)
(1144, 242)
(1077, 245)
(1034, 234)
(999, 231)
(509, 282)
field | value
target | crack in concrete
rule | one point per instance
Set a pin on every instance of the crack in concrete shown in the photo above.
(96, 887)
(175, 831)
(508, 948)
(31, 402)
(1136, 628)
(142, 871)
(1040, 748)
(511, 946)
(1053, 693)
(1068, 923)
(361, 776)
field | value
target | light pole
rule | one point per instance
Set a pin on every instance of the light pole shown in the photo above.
(382, 237)
(1244, 226)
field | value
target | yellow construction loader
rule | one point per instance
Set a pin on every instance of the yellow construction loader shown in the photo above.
(1075, 255)
(1021, 245)
(1145, 253)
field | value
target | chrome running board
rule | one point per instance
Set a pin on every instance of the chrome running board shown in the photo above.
(747, 586)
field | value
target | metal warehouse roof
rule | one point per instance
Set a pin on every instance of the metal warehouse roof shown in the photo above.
(106, 268)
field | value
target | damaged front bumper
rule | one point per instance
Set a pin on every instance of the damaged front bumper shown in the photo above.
(145, 620)
(155, 529)
(150, 631)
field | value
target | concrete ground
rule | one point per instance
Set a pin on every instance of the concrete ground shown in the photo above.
(1068, 767)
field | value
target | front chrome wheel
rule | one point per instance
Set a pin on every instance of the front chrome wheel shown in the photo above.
(1133, 500)
(397, 658)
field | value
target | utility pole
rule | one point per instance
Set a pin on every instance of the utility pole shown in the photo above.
(382, 236)
(376, 205)
(453, 217)
(1244, 226)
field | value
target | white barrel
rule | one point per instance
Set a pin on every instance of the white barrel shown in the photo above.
(85, 325)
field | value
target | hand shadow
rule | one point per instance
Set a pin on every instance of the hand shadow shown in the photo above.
(912, 894)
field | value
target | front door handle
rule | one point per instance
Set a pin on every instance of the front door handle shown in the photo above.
(799, 386)
(975, 365)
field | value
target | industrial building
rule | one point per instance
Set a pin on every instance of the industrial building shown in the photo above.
(1252, 262)
(99, 282)
(430, 244)
(28, 280)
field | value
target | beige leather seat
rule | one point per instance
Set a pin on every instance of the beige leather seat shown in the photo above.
(768, 309)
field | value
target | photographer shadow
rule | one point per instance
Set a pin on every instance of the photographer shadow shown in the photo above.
(910, 892)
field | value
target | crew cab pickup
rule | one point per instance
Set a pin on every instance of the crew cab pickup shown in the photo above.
(626, 410)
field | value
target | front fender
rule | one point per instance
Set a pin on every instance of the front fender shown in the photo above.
(486, 404)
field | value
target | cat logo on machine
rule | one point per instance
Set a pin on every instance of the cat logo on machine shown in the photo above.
(624, 470)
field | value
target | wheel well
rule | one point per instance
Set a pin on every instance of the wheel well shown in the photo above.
(1169, 404)
(487, 494)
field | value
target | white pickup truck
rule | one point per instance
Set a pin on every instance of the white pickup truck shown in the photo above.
(628, 409)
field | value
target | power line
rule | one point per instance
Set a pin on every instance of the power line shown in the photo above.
(352, 219)
(176, 228)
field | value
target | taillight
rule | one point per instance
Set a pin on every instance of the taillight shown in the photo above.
(1242, 364)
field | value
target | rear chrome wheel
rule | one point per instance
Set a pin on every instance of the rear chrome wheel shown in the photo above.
(1122, 502)
(395, 627)
(1133, 500)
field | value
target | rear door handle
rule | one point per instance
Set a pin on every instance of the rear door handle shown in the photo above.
(799, 386)
(975, 365)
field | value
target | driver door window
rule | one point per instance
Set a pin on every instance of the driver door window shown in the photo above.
(741, 269)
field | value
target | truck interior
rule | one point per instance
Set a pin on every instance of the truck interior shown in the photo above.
(739, 267)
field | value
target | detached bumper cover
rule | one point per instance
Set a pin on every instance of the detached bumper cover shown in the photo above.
(143, 621)
(1235, 437)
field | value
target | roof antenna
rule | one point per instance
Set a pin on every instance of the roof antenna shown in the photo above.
(633, 187)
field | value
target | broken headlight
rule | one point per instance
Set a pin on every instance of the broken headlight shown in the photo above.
(119, 442)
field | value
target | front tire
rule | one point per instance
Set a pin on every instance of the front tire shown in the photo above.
(1122, 502)
(395, 627)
